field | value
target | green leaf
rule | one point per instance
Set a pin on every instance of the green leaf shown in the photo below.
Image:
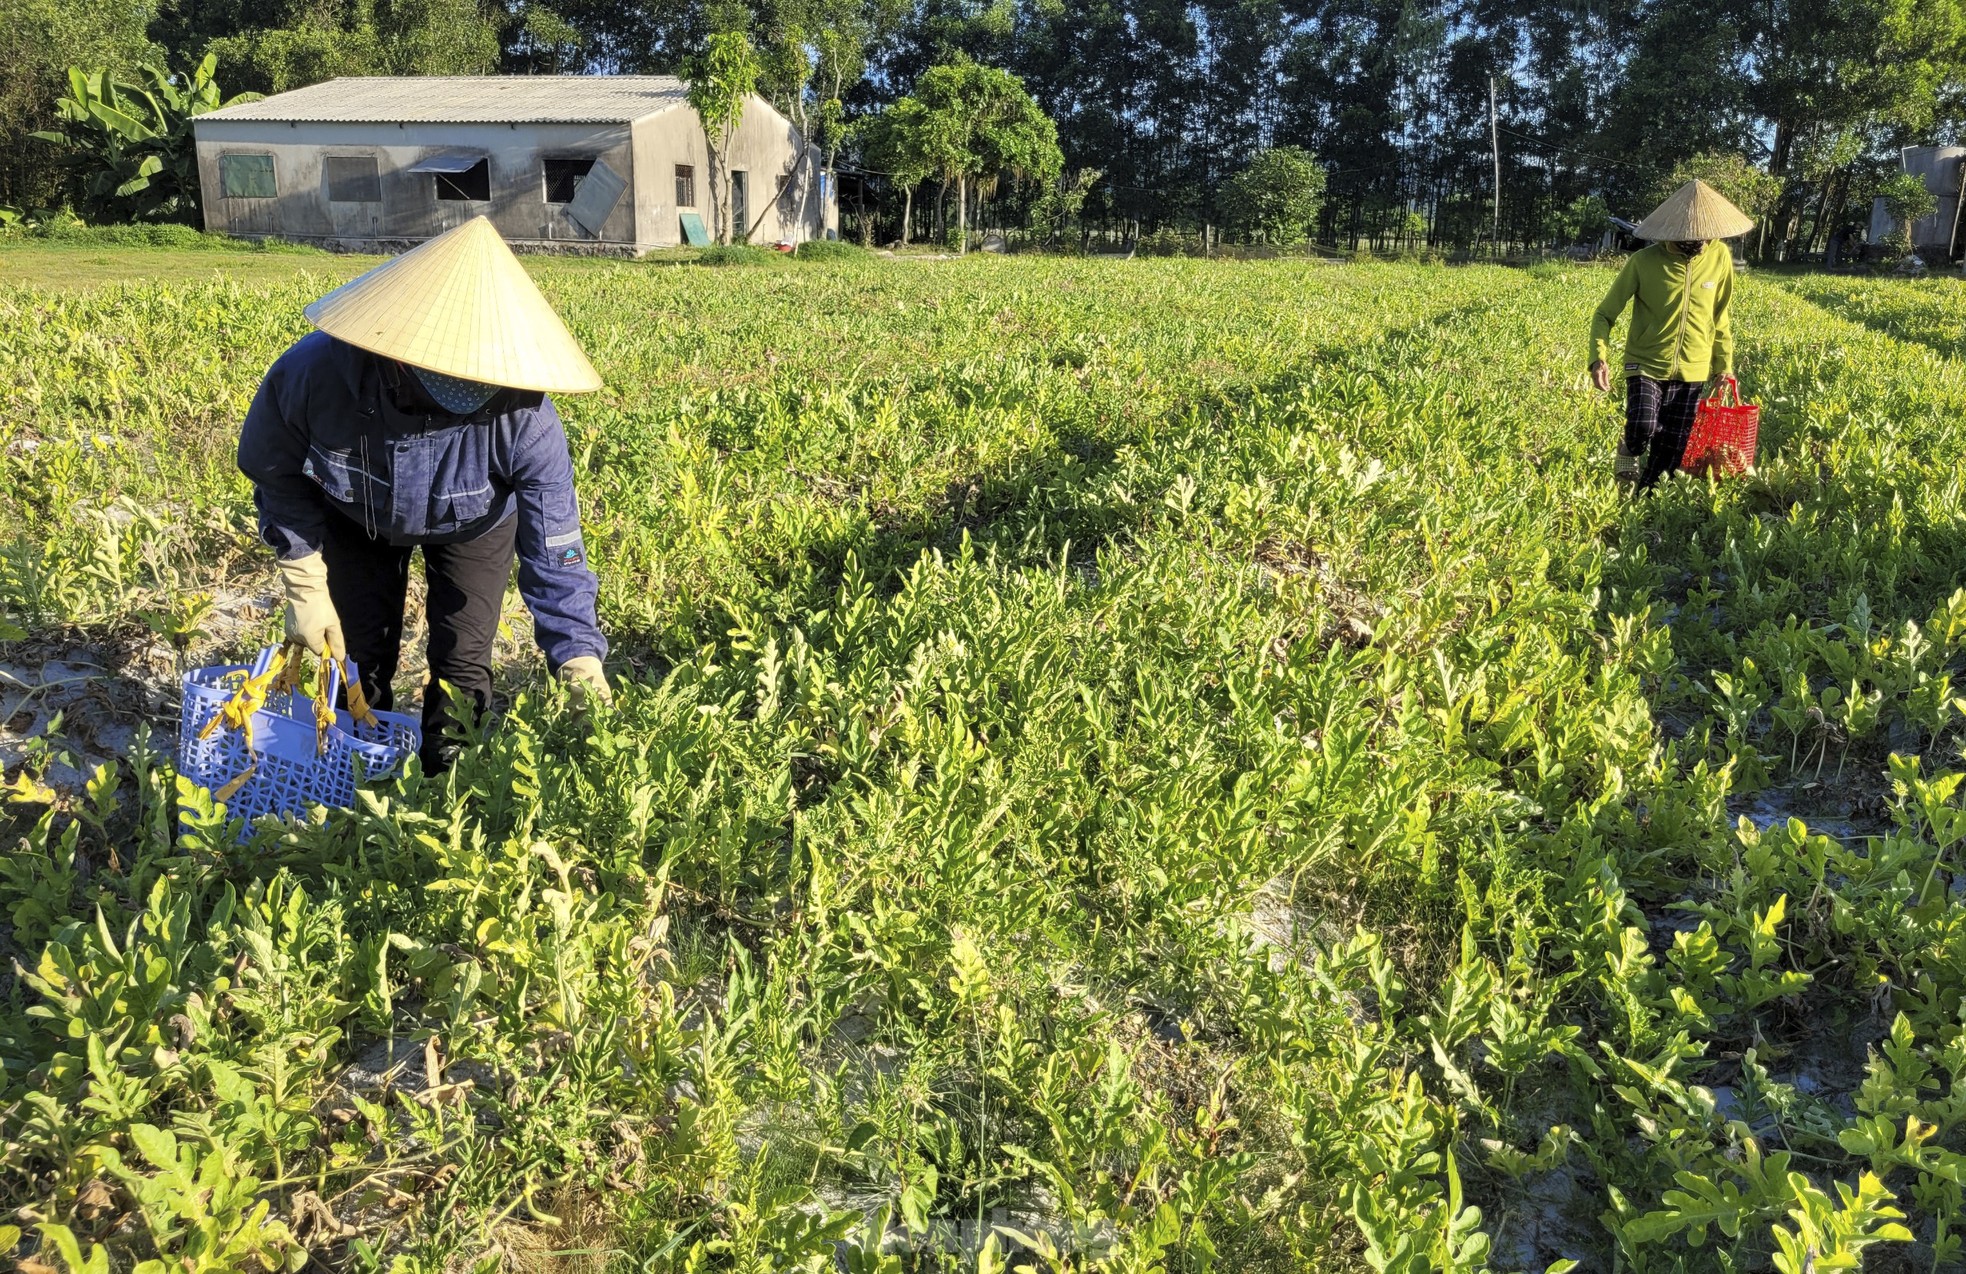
(149, 168)
(156, 1144)
(69, 1248)
(121, 122)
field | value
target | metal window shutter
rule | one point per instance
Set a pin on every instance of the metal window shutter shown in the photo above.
(246, 177)
(448, 162)
(352, 179)
(595, 197)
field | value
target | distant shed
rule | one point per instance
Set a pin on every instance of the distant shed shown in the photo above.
(596, 163)
(1941, 168)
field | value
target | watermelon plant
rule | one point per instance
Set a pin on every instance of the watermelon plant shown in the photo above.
(1178, 768)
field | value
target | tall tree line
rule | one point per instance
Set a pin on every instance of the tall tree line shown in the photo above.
(1170, 98)
(1601, 98)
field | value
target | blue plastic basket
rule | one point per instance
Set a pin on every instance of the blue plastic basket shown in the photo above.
(293, 763)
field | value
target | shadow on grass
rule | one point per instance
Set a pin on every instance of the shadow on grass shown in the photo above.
(1033, 506)
(1830, 293)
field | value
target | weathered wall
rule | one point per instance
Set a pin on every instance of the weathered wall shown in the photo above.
(1939, 168)
(660, 143)
(766, 148)
(409, 208)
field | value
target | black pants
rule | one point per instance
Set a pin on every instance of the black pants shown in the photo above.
(1658, 419)
(368, 578)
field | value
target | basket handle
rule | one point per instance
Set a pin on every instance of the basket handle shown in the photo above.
(335, 676)
(278, 669)
(358, 703)
(272, 671)
(1728, 392)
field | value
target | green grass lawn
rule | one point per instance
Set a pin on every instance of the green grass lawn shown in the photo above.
(1164, 765)
(61, 266)
(66, 266)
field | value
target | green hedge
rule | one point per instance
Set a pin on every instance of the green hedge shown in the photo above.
(735, 254)
(829, 250)
(147, 235)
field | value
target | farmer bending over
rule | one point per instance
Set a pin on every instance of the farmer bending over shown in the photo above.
(417, 418)
(1679, 290)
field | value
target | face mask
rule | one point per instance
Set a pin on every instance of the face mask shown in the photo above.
(454, 394)
(1693, 249)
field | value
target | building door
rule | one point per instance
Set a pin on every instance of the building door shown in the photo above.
(354, 189)
(740, 204)
(249, 193)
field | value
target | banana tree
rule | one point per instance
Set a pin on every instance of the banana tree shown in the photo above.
(131, 152)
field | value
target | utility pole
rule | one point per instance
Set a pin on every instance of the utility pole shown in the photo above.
(1953, 241)
(1495, 150)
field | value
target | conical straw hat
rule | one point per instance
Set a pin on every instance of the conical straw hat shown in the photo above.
(1694, 211)
(460, 304)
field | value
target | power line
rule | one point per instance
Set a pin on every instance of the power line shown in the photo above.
(1570, 150)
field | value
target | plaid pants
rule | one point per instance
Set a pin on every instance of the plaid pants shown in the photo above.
(1658, 418)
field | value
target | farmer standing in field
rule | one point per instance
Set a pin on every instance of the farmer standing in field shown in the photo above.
(1679, 289)
(417, 418)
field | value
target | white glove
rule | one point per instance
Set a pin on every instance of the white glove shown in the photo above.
(311, 617)
(583, 678)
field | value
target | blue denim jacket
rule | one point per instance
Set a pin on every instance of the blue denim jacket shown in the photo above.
(329, 435)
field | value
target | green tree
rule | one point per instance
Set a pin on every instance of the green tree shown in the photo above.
(1906, 200)
(1062, 201)
(538, 41)
(275, 59)
(812, 54)
(1826, 168)
(721, 79)
(391, 37)
(129, 147)
(841, 36)
(896, 142)
(1817, 71)
(1826, 65)
(1583, 219)
(785, 71)
(39, 41)
(436, 37)
(1277, 196)
(976, 125)
(1745, 186)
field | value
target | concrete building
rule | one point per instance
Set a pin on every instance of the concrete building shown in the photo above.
(594, 163)
(1936, 237)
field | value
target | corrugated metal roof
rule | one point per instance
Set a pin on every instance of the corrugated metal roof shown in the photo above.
(467, 99)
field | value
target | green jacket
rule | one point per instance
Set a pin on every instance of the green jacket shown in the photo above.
(1680, 324)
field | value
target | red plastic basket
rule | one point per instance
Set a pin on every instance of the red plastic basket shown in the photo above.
(1724, 435)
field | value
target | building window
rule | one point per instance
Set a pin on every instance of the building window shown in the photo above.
(352, 179)
(245, 176)
(563, 178)
(472, 184)
(740, 203)
(685, 186)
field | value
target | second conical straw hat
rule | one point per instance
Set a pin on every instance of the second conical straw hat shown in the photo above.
(460, 304)
(1694, 211)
